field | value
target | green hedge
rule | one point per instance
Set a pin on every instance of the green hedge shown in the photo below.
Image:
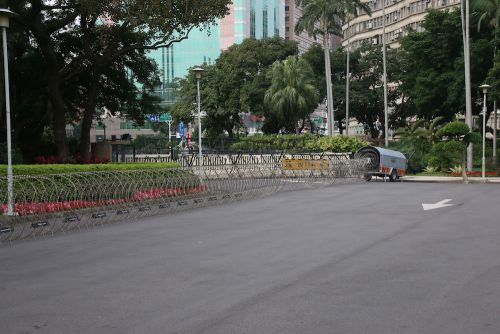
(73, 168)
(299, 143)
(48, 183)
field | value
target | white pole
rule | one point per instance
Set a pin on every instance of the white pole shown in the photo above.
(200, 155)
(495, 132)
(329, 94)
(386, 118)
(347, 78)
(483, 174)
(169, 131)
(468, 100)
(10, 179)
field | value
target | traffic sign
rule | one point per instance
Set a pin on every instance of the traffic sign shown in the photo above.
(165, 117)
(181, 129)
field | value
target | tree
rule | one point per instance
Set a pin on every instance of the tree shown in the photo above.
(433, 77)
(108, 31)
(292, 95)
(236, 83)
(455, 136)
(489, 13)
(321, 17)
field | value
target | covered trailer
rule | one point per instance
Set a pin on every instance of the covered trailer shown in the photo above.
(383, 162)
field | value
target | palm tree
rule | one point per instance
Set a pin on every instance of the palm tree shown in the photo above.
(292, 94)
(322, 17)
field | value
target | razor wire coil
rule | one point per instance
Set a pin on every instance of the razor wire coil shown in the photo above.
(57, 203)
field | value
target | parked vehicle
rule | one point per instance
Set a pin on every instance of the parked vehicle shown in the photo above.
(383, 162)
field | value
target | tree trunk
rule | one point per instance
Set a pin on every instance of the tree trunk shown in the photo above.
(88, 116)
(58, 115)
(464, 167)
(54, 90)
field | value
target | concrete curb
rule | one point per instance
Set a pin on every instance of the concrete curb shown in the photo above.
(448, 179)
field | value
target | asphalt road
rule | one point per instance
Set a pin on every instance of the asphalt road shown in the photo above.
(362, 258)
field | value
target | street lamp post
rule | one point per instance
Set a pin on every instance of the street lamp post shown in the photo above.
(169, 130)
(5, 14)
(485, 88)
(197, 72)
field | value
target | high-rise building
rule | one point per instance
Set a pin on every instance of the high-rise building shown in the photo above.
(399, 15)
(292, 15)
(246, 18)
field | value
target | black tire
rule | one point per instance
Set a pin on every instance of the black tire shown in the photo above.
(368, 177)
(394, 175)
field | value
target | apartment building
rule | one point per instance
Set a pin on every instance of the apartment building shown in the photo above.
(399, 16)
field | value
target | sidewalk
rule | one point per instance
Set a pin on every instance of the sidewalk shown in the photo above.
(448, 179)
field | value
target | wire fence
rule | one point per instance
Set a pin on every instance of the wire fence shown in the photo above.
(58, 203)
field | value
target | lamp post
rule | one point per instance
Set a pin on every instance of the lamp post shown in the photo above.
(485, 88)
(197, 72)
(5, 14)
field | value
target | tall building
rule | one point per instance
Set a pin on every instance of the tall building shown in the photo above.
(246, 18)
(399, 15)
(292, 15)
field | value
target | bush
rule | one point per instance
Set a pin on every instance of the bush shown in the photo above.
(299, 143)
(74, 168)
(453, 129)
(338, 144)
(417, 150)
(17, 157)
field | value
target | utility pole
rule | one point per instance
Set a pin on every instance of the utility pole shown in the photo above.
(384, 59)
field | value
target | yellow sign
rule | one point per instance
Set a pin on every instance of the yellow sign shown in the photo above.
(304, 164)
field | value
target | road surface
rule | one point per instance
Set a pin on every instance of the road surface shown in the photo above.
(361, 258)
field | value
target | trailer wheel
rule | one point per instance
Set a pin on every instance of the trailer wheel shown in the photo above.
(394, 175)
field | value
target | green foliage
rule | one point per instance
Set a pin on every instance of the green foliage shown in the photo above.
(430, 169)
(416, 148)
(17, 156)
(451, 150)
(336, 144)
(236, 83)
(74, 168)
(366, 87)
(292, 95)
(299, 143)
(432, 68)
(457, 169)
(453, 130)
(112, 184)
(94, 54)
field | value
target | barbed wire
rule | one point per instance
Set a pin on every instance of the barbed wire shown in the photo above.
(56, 203)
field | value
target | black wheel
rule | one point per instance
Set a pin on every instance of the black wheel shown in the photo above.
(393, 176)
(368, 177)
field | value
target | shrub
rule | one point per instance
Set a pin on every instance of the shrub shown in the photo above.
(417, 150)
(74, 168)
(300, 143)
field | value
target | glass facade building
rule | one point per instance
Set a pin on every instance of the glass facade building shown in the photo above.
(246, 18)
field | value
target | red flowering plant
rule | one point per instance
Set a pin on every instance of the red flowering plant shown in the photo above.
(27, 208)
